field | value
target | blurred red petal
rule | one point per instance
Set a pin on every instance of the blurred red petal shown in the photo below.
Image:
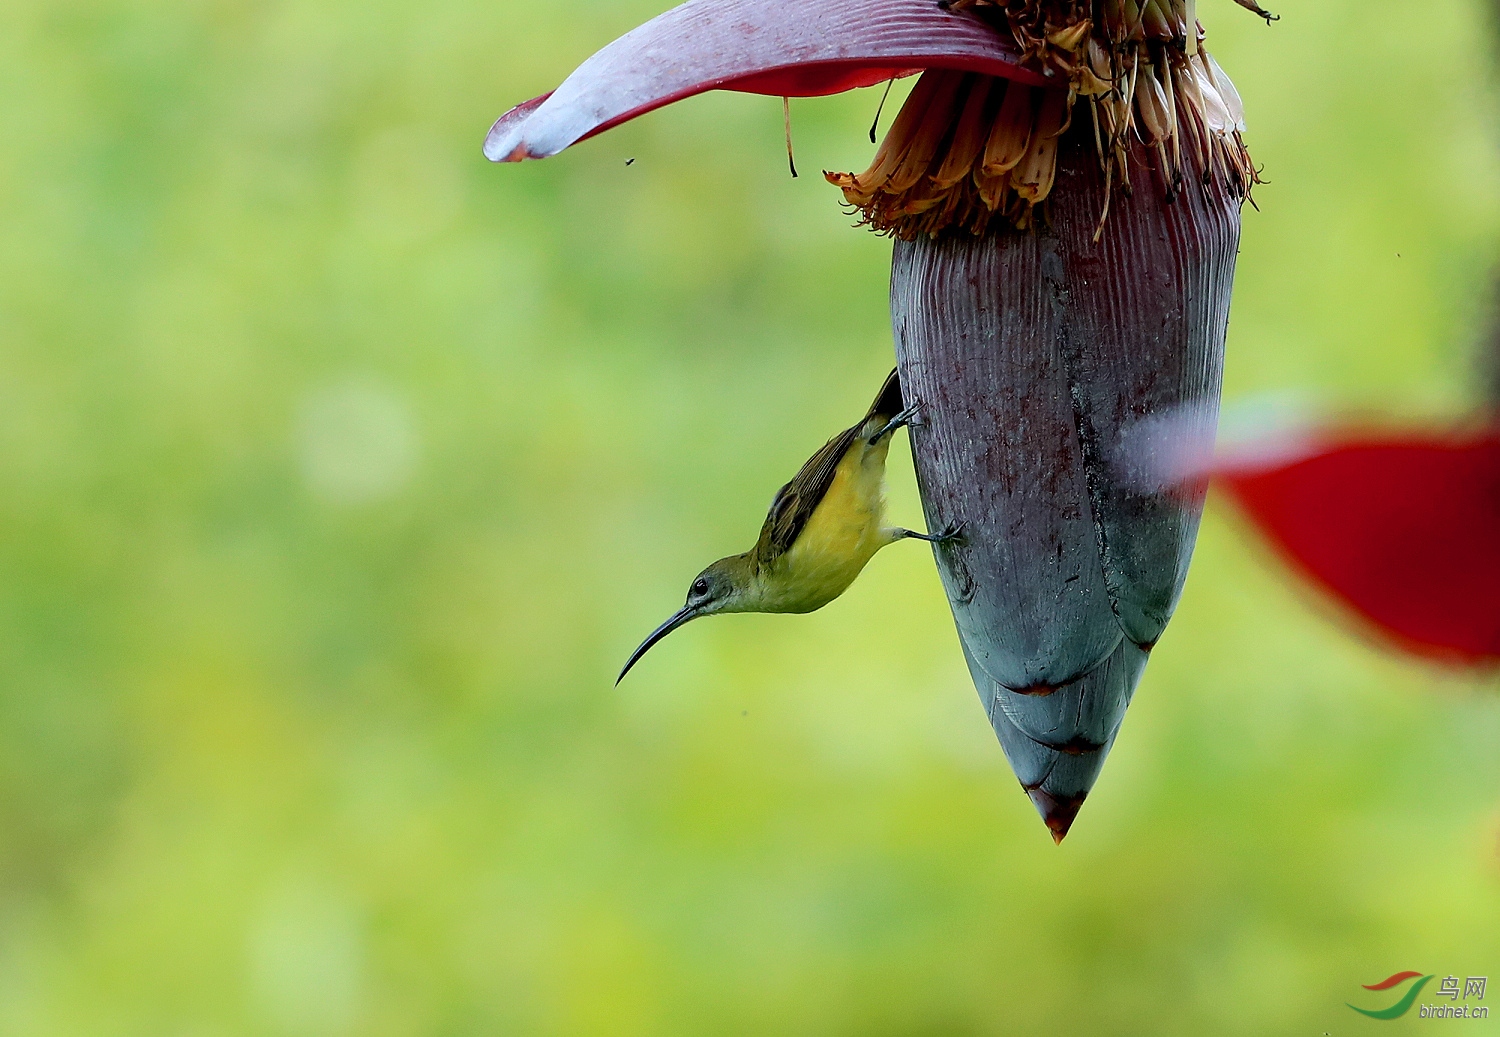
(1405, 529)
(778, 47)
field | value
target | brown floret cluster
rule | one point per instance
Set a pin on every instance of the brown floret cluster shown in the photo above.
(968, 149)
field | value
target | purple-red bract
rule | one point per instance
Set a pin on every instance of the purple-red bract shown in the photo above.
(778, 47)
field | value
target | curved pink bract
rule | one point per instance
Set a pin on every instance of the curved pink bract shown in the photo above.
(779, 47)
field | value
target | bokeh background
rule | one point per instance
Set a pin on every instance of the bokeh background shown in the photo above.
(340, 470)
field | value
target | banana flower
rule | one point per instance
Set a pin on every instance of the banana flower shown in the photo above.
(1063, 187)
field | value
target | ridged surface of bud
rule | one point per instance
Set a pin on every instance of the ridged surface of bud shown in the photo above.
(1039, 358)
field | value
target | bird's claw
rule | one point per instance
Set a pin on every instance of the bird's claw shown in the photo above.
(909, 416)
(953, 531)
(1255, 8)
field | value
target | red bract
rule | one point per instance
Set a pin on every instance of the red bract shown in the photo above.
(778, 47)
(1404, 529)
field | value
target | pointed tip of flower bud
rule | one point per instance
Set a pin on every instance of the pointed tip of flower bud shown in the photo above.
(1058, 812)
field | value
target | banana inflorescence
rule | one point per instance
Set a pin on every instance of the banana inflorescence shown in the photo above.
(967, 149)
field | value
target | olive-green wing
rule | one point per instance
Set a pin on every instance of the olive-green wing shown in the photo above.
(796, 500)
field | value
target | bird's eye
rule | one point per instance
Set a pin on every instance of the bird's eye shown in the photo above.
(700, 587)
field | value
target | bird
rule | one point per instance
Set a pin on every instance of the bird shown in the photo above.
(822, 528)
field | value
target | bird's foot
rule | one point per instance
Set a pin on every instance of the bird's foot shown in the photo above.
(909, 416)
(953, 532)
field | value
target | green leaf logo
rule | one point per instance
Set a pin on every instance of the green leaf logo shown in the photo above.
(1402, 1006)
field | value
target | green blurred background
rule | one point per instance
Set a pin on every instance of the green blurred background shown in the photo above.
(340, 470)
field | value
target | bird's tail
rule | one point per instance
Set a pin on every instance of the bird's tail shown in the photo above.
(888, 402)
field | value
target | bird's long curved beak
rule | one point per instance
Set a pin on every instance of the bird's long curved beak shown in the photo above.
(678, 618)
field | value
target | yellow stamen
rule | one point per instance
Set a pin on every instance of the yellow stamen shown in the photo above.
(968, 137)
(1011, 133)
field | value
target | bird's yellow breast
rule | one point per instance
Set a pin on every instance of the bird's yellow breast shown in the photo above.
(843, 532)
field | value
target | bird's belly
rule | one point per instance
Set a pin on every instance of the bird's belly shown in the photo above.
(820, 570)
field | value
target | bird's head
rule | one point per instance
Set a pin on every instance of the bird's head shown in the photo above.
(725, 586)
